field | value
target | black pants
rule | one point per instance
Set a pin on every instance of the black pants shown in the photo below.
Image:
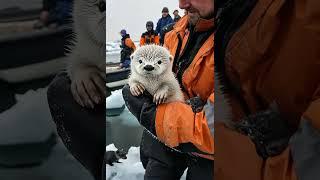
(48, 5)
(82, 130)
(157, 170)
(162, 164)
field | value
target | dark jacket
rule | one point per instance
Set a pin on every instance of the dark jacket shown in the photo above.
(127, 46)
(162, 23)
(177, 18)
(59, 10)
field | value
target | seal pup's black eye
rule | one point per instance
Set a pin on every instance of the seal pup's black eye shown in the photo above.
(159, 62)
(102, 6)
(140, 61)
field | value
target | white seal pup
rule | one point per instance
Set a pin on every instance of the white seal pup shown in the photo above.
(87, 64)
(151, 70)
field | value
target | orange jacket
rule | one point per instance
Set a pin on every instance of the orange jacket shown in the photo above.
(130, 44)
(273, 56)
(176, 122)
(147, 38)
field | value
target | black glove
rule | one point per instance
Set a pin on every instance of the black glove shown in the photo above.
(267, 130)
(142, 107)
(196, 104)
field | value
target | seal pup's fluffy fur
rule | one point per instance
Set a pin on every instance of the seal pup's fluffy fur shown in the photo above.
(86, 66)
(151, 70)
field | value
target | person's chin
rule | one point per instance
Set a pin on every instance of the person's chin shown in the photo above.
(193, 17)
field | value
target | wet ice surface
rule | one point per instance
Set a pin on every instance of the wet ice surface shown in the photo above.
(113, 58)
(113, 47)
(28, 116)
(113, 51)
(60, 166)
(115, 100)
(118, 124)
(130, 168)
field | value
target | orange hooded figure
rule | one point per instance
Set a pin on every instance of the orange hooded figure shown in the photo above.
(150, 36)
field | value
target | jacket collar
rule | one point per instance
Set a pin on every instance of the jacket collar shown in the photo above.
(167, 17)
(202, 25)
(125, 37)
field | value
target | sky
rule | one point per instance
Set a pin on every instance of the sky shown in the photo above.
(133, 14)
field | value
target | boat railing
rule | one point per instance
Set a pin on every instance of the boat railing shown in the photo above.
(34, 47)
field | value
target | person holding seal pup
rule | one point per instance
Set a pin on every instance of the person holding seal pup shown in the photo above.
(179, 135)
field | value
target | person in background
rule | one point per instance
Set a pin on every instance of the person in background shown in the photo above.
(127, 48)
(185, 12)
(150, 36)
(162, 22)
(54, 13)
(177, 17)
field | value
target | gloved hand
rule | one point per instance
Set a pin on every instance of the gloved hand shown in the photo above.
(267, 130)
(142, 107)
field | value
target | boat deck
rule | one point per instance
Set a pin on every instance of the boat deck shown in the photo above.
(116, 77)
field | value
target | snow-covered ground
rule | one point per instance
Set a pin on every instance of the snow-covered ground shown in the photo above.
(113, 48)
(130, 168)
(30, 120)
(113, 51)
(115, 100)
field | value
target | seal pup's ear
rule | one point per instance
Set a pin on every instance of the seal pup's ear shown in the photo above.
(171, 58)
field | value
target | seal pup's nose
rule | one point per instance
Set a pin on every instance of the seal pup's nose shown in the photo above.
(148, 68)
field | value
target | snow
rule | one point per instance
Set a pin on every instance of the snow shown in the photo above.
(113, 51)
(31, 109)
(115, 100)
(130, 168)
(30, 121)
(113, 47)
